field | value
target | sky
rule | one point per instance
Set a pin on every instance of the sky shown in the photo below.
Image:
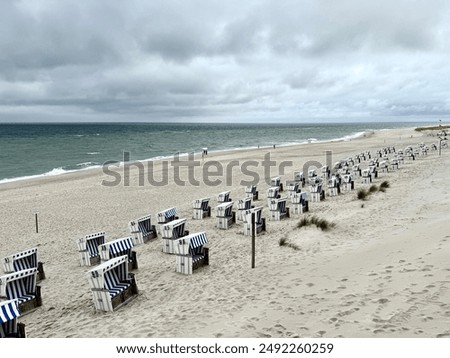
(224, 61)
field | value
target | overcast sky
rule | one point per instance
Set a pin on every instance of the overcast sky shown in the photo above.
(227, 61)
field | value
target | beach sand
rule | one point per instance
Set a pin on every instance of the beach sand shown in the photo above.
(382, 271)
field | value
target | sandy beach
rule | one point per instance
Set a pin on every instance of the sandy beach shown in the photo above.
(382, 271)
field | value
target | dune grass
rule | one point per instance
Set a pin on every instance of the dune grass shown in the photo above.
(363, 194)
(285, 242)
(322, 224)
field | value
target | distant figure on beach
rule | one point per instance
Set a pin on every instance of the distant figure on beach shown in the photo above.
(204, 152)
(274, 146)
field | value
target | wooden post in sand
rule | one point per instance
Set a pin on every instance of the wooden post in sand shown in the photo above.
(253, 239)
(36, 221)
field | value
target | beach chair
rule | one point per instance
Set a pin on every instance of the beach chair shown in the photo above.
(9, 327)
(242, 205)
(356, 170)
(142, 230)
(260, 222)
(276, 181)
(373, 172)
(316, 190)
(366, 176)
(299, 177)
(111, 284)
(300, 203)
(191, 253)
(226, 217)
(312, 173)
(394, 163)
(347, 183)
(201, 208)
(24, 260)
(383, 166)
(333, 185)
(117, 248)
(292, 188)
(88, 248)
(357, 159)
(325, 172)
(21, 286)
(273, 193)
(224, 197)
(171, 232)
(350, 162)
(278, 209)
(251, 192)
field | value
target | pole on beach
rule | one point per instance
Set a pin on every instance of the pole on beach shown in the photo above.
(36, 221)
(253, 239)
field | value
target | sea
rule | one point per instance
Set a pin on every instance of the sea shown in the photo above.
(33, 150)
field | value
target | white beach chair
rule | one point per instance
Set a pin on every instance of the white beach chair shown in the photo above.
(226, 217)
(88, 248)
(278, 209)
(224, 197)
(242, 205)
(299, 177)
(366, 176)
(276, 181)
(300, 203)
(9, 327)
(201, 208)
(191, 253)
(316, 190)
(260, 222)
(251, 192)
(142, 230)
(383, 166)
(21, 286)
(293, 187)
(167, 215)
(325, 172)
(117, 248)
(347, 182)
(111, 284)
(171, 232)
(333, 185)
(24, 260)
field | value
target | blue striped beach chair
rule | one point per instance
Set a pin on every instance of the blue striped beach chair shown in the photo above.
(278, 209)
(119, 247)
(24, 260)
(9, 327)
(201, 208)
(21, 286)
(171, 232)
(299, 203)
(316, 189)
(260, 222)
(111, 284)
(142, 230)
(225, 215)
(167, 215)
(191, 253)
(88, 248)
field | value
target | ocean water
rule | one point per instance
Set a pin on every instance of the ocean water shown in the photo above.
(28, 150)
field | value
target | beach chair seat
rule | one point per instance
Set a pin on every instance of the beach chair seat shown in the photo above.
(88, 251)
(142, 230)
(24, 260)
(190, 253)
(113, 284)
(260, 222)
(201, 208)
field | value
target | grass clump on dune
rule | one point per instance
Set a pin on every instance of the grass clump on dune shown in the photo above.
(362, 194)
(284, 242)
(322, 224)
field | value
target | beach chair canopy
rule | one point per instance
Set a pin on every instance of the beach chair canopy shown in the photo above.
(167, 214)
(225, 209)
(174, 229)
(244, 203)
(201, 204)
(21, 261)
(9, 312)
(118, 247)
(191, 244)
(19, 285)
(143, 225)
(109, 274)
